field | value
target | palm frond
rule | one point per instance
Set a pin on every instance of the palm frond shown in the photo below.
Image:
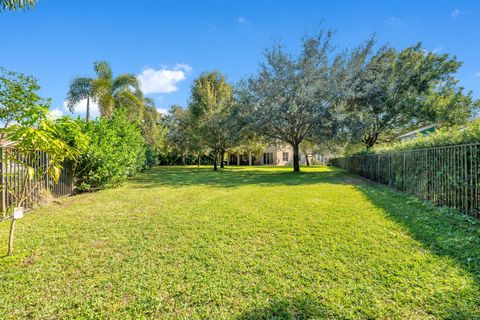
(128, 101)
(15, 5)
(126, 81)
(80, 88)
(103, 69)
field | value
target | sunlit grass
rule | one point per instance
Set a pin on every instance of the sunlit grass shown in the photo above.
(247, 243)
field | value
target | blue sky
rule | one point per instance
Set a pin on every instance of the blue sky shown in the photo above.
(168, 44)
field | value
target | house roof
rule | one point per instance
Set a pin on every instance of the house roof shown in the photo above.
(414, 132)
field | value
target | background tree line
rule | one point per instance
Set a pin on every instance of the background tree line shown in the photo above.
(322, 99)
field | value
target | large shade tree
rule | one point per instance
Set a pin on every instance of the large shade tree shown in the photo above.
(153, 130)
(293, 97)
(211, 110)
(394, 91)
(182, 137)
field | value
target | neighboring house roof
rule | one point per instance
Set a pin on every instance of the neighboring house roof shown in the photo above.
(413, 134)
(4, 142)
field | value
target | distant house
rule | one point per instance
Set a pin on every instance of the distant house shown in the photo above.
(4, 142)
(419, 132)
(278, 155)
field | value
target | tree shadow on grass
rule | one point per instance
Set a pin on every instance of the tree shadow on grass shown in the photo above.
(443, 231)
(233, 177)
(303, 307)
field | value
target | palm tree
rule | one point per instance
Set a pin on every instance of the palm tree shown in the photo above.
(80, 88)
(121, 92)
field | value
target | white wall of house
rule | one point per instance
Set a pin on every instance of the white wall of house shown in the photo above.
(279, 155)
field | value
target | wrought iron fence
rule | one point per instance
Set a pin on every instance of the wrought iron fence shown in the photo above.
(14, 167)
(447, 176)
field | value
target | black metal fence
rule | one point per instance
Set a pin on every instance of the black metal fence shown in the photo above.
(447, 176)
(14, 168)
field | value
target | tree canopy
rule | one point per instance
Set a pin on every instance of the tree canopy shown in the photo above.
(293, 98)
(395, 91)
(210, 107)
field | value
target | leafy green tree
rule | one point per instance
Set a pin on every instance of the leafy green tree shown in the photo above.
(14, 5)
(394, 91)
(178, 122)
(293, 98)
(154, 131)
(210, 107)
(19, 101)
(25, 118)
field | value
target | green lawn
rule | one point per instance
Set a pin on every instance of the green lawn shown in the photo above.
(243, 243)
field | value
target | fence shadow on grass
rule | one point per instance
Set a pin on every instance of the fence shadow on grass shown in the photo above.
(442, 231)
(233, 177)
(303, 307)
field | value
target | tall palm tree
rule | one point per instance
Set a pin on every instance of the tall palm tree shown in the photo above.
(121, 92)
(80, 88)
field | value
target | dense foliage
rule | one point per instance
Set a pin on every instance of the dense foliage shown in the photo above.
(211, 109)
(128, 136)
(469, 133)
(116, 150)
(294, 98)
(25, 120)
(320, 101)
(395, 91)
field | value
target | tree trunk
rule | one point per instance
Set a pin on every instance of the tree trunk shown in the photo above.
(306, 159)
(371, 140)
(87, 115)
(215, 157)
(183, 160)
(296, 158)
(198, 163)
(10, 238)
(222, 155)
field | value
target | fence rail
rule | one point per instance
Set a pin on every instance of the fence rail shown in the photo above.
(13, 170)
(447, 176)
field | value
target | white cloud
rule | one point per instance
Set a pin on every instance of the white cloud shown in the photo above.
(163, 80)
(183, 66)
(457, 13)
(162, 111)
(56, 113)
(394, 21)
(477, 74)
(81, 108)
(242, 20)
(437, 49)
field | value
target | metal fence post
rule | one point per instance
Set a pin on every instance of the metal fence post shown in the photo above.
(3, 204)
(445, 175)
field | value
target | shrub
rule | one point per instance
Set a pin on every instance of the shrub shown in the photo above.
(117, 150)
(470, 133)
(151, 156)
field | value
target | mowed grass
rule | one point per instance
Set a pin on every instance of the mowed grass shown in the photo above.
(242, 243)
